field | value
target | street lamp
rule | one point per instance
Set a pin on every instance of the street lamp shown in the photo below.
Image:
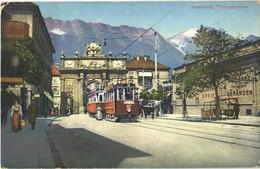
(23, 89)
(15, 61)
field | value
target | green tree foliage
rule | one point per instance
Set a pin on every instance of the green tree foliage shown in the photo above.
(153, 94)
(189, 83)
(214, 61)
(31, 65)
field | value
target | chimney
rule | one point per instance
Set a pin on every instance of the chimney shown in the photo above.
(137, 57)
(145, 57)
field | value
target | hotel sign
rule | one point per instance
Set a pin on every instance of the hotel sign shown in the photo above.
(14, 30)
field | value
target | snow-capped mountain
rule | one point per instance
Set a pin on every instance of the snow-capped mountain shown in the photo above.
(183, 41)
(70, 36)
(252, 38)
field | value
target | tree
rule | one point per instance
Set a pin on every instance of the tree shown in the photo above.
(153, 94)
(187, 88)
(214, 61)
(31, 65)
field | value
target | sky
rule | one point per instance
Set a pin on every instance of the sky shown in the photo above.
(169, 18)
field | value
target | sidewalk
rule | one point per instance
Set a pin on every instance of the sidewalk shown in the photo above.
(27, 148)
(243, 120)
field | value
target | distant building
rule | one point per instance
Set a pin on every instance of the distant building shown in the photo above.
(56, 84)
(248, 95)
(141, 70)
(25, 22)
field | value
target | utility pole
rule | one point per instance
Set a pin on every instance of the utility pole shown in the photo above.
(155, 60)
(143, 77)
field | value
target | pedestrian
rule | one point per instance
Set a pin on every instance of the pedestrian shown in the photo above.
(16, 116)
(57, 110)
(129, 112)
(32, 112)
(236, 109)
(50, 111)
(4, 112)
(99, 114)
(156, 110)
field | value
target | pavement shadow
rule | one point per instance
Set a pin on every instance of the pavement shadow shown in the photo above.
(80, 148)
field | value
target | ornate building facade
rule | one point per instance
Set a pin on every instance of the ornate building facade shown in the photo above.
(141, 70)
(26, 22)
(248, 95)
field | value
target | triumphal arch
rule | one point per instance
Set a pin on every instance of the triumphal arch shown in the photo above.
(83, 73)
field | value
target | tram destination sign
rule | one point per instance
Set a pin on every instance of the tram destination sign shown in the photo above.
(129, 102)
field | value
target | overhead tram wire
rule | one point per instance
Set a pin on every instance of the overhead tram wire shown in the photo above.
(146, 31)
(144, 34)
(125, 37)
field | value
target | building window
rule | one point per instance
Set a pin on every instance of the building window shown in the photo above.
(145, 79)
(131, 74)
(167, 87)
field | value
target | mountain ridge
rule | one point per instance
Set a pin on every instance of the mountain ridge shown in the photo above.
(69, 36)
(184, 42)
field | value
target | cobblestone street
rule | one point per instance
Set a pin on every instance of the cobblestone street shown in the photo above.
(84, 142)
(166, 142)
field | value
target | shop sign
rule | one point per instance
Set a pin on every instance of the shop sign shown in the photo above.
(14, 30)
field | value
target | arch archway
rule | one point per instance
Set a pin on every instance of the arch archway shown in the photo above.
(69, 104)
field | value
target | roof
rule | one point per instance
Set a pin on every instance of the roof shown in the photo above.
(22, 4)
(55, 70)
(141, 62)
(34, 7)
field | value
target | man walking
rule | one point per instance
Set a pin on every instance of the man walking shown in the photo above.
(236, 109)
(4, 112)
(32, 110)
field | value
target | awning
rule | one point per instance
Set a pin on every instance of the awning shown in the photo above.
(11, 79)
(49, 96)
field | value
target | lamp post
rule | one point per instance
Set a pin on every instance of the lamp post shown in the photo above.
(23, 89)
(155, 62)
(174, 91)
(23, 97)
(255, 72)
(184, 111)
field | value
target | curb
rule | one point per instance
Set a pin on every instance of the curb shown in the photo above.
(219, 122)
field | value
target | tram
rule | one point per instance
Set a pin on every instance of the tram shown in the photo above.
(118, 102)
(95, 100)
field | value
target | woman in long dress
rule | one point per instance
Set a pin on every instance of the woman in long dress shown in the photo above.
(16, 114)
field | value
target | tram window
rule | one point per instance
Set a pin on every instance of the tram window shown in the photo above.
(100, 98)
(120, 95)
(105, 97)
(129, 95)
